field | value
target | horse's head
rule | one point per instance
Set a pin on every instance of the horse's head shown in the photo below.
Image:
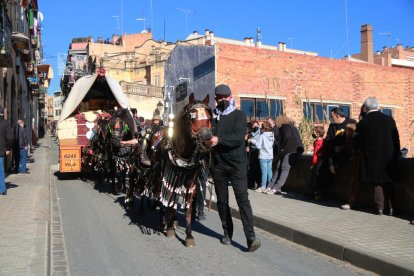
(198, 119)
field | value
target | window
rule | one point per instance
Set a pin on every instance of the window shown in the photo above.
(156, 81)
(319, 112)
(258, 109)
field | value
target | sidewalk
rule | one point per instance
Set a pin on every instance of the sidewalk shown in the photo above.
(381, 244)
(24, 218)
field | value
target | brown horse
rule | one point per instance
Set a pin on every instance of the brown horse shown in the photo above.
(180, 162)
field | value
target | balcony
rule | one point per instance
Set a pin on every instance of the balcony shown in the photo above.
(5, 40)
(20, 26)
(141, 89)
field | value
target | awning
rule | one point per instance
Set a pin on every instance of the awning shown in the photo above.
(82, 87)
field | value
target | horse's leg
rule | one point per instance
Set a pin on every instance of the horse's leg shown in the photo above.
(170, 222)
(162, 218)
(189, 239)
(129, 187)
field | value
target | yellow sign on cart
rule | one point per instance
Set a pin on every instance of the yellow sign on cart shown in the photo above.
(70, 159)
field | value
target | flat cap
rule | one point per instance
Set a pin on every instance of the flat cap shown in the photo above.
(222, 90)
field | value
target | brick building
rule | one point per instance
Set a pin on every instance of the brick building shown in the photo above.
(393, 57)
(289, 83)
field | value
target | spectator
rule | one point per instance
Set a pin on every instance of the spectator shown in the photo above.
(6, 141)
(16, 148)
(291, 147)
(276, 145)
(254, 166)
(333, 151)
(317, 157)
(318, 133)
(22, 144)
(265, 146)
(229, 164)
(355, 154)
(378, 139)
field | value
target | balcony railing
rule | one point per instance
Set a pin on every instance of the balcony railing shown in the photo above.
(141, 89)
(20, 25)
(5, 40)
(18, 17)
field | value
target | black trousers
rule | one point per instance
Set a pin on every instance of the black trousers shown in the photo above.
(384, 195)
(237, 178)
(254, 173)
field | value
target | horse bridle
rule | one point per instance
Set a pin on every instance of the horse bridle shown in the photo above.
(201, 135)
(189, 118)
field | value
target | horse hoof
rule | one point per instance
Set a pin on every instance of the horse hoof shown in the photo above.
(189, 242)
(170, 233)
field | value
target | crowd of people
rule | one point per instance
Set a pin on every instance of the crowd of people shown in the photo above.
(276, 146)
(12, 139)
(372, 144)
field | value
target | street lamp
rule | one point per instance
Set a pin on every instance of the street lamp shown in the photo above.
(160, 106)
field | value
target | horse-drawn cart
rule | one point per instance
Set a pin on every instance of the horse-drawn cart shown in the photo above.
(89, 101)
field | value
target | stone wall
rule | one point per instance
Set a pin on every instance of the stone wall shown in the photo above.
(299, 181)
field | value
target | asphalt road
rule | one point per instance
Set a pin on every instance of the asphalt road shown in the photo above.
(102, 238)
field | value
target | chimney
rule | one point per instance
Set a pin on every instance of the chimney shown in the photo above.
(211, 33)
(367, 45)
(247, 40)
(115, 38)
(258, 38)
(280, 46)
(206, 32)
(195, 33)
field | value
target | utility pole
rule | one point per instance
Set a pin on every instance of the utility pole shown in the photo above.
(117, 19)
(142, 19)
(186, 12)
(388, 34)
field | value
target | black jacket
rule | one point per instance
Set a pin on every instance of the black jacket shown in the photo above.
(290, 141)
(230, 150)
(20, 137)
(377, 137)
(6, 137)
(335, 137)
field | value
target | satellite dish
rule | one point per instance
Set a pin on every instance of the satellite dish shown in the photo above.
(40, 16)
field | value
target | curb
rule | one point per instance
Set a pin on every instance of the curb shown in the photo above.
(58, 261)
(355, 256)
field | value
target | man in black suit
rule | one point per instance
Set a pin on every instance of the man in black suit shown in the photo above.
(229, 165)
(377, 137)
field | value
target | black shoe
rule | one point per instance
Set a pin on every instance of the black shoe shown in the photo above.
(253, 244)
(226, 239)
(201, 217)
(3, 193)
(379, 212)
(391, 212)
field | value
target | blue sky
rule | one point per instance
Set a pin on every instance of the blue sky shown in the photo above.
(312, 25)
